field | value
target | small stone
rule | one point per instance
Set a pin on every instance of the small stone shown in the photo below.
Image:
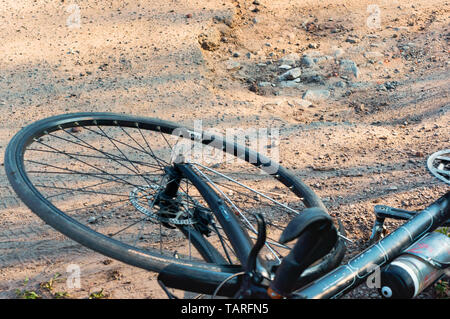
(352, 40)
(107, 261)
(236, 54)
(290, 75)
(264, 84)
(92, 220)
(349, 66)
(360, 108)
(391, 85)
(313, 45)
(232, 65)
(312, 76)
(272, 103)
(401, 29)
(316, 95)
(253, 87)
(289, 84)
(310, 27)
(307, 61)
(290, 59)
(285, 67)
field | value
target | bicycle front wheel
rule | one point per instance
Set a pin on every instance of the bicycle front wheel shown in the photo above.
(98, 179)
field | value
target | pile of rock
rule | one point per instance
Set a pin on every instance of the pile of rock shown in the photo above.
(315, 74)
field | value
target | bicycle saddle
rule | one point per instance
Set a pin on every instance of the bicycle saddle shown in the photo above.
(316, 237)
(314, 219)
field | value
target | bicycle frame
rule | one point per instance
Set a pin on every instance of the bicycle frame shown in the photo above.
(239, 239)
(348, 276)
(337, 282)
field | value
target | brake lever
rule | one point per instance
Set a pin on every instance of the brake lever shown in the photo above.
(251, 279)
(259, 244)
(382, 212)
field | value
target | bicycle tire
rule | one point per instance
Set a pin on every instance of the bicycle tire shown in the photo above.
(110, 247)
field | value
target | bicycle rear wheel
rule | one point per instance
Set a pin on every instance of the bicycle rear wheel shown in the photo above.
(438, 164)
(96, 177)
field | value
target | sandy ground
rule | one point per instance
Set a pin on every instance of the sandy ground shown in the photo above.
(358, 124)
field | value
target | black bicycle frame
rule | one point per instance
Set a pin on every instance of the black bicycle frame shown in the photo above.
(234, 230)
(332, 285)
(346, 277)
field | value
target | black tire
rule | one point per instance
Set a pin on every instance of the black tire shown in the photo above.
(32, 197)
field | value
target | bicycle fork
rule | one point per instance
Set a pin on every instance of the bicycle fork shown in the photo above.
(237, 235)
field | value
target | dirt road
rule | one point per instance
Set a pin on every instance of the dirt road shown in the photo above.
(365, 102)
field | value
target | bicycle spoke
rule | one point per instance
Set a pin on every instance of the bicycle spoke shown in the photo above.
(136, 170)
(89, 146)
(160, 161)
(86, 173)
(152, 154)
(252, 228)
(83, 173)
(110, 176)
(80, 190)
(117, 158)
(255, 191)
(115, 140)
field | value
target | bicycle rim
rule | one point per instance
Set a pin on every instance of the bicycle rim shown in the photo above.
(47, 194)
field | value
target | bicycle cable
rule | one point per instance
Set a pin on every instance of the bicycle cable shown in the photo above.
(224, 282)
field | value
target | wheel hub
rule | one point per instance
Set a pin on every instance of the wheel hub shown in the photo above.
(174, 211)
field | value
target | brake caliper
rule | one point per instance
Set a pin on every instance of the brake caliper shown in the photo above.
(203, 219)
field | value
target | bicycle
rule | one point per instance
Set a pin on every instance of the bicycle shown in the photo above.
(208, 229)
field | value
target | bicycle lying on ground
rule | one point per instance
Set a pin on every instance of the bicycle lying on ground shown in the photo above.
(243, 227)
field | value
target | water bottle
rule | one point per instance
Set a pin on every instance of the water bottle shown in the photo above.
(417, 267)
